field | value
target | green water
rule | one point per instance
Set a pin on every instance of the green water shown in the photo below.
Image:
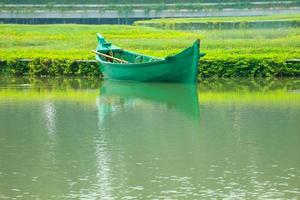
(86, 139)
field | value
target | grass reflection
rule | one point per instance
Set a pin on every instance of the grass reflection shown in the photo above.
(275, 92)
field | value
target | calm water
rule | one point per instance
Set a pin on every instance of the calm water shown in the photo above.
(85, 139)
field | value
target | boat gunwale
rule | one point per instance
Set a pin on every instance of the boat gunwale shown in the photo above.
(162, 60)
(167, 59)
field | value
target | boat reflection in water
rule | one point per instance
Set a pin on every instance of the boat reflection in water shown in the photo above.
(127, 101)
(141, 126)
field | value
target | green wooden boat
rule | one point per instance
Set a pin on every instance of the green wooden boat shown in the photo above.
(119, 64)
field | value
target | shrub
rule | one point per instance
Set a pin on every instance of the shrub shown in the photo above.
(49, 67)
(16, 67)
(247, 67)
(229, 67)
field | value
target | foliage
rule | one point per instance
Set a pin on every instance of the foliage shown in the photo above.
(16, 68)
(88, 69)
(230, 67)
(247, 67)
(49, 67)
(54, 48)
(59, 67)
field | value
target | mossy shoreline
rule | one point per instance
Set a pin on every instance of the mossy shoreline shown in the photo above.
(239, 67)
(48, 67)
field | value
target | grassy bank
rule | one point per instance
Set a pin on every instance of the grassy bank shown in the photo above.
(229, 52)
(204, 23)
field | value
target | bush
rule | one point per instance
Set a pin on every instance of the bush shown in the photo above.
(87, 69)
(40, 67)
(49, 67)
(16, 67)
(247, 67)
(229, 67)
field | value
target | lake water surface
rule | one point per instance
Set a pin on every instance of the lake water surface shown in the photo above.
(86, 139)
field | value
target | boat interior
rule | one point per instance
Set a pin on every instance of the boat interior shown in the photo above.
(122, 56)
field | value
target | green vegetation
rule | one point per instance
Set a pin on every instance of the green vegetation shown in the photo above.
(54, 48)
(76, 41)
(274, 21)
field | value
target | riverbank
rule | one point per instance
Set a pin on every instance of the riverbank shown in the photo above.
(54, 49)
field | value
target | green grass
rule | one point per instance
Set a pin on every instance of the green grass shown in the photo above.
(252, 43)
(242, 52)
(76, 41)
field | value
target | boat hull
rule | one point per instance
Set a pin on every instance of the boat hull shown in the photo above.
(182, 67)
